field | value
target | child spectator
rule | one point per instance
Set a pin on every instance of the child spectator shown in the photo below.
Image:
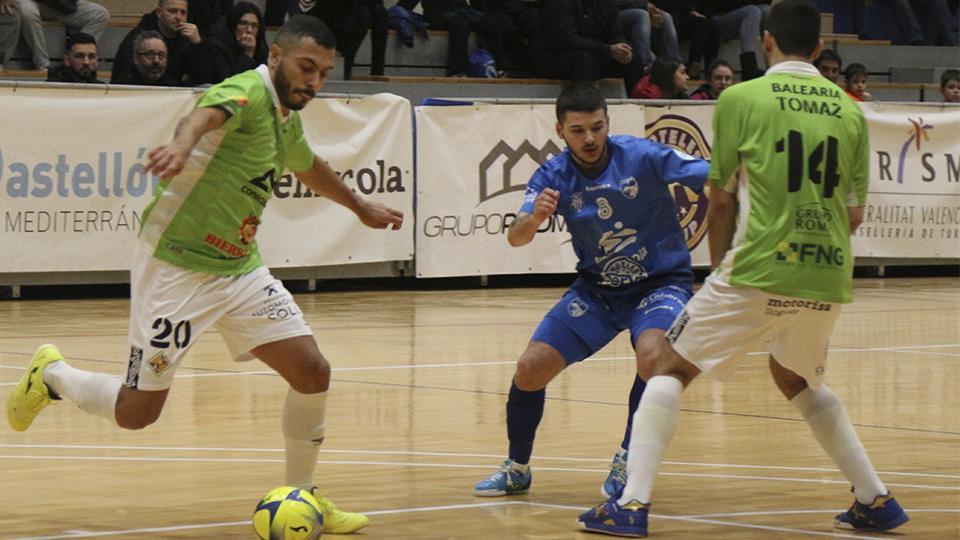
(855, 82)
(950, 86)
(719, 78)
(667, 80)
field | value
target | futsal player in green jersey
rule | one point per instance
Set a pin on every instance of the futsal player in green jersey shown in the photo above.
(790, 154)
(197, 265)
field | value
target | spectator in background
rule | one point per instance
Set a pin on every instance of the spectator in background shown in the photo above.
(459, 18)
(950, 86)
(9, 29)
(719, 78)
(204, 13)
(855, 82)
(350, 20)
(667, 80)
(938, 25)
(238, 42)
(187, 57)
(702, 32)
(740, 18)
(582, 41)
(87, 17)
(80, 61)
(150, 61)
(520, 25)
(829, 64)
(642, 20)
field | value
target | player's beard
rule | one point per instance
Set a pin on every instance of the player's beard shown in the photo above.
(285, 91)
(596, 163)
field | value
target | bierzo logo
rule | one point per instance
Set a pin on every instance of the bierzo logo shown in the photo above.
(684, 134)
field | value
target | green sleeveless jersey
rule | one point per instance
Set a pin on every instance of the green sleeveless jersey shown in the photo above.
(794, 148)
(205, 218)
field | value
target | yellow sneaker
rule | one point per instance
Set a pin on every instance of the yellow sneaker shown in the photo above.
(336, 521)
(31, 394)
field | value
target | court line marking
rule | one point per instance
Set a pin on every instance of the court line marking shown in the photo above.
(449, 466)
(537, 458)
(696, 518)
(902, 349)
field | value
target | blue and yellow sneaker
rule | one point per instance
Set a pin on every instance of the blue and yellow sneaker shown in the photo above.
(611, 518)
(883, 514)
(31, 394)
(617, 477)
(335, 520)
(506, 481)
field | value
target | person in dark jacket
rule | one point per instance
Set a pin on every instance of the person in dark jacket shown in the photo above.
(80, 61)
(719, 78)
(237, 42)
(459, 18)
(702, 32)
(582, 41)
(188, 61)
(150, 61)
(350, 20)
(204, 13)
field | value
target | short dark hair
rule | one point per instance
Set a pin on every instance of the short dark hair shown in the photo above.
(306, 26)
(829, 55)
(795, 26)
(144, 35)
(78, 39)
(580, 97)
(949, 75)
(853, 70)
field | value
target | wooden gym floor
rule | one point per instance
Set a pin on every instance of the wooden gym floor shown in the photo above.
(416, 416)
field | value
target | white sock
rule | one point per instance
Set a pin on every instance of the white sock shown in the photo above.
(521, 468)
(303, 428)
(653, 427)
(95, 393)
(831, 426)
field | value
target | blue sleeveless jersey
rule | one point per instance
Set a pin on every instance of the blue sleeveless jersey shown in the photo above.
(624, 223)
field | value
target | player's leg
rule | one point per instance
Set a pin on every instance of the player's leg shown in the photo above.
(797, 363)
(715, 329)
(266, 323)
(649, 318)
(161, 331)
(576, 327)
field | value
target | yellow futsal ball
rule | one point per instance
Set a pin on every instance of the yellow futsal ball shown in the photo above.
(288, 513)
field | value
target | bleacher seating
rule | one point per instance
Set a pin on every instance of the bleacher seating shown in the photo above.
(897, 73)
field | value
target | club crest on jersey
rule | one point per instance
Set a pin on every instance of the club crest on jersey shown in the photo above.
(248, 229)
(684, 135)
(576, 202)
(629, 187)
(577, 307)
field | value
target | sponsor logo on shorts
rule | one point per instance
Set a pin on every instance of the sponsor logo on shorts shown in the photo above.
(159, 363)
(812, 305)
(133, 367)
(678, 326)
(577, 307)
(278, 310)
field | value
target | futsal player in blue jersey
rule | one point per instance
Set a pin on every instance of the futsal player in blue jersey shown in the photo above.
(633, 272)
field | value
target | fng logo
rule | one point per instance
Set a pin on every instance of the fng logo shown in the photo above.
(800, 253)
(684, 134)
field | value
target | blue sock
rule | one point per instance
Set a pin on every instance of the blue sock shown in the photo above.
(638, 386)
(524, 411)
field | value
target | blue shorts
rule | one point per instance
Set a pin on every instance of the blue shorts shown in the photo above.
(583, 322)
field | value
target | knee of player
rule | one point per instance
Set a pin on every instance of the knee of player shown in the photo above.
(314, 379)
(137, 421)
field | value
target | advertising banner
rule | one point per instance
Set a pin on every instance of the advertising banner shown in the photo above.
(73, 190)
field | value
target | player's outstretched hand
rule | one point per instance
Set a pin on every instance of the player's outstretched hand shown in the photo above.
(546, 204)
(379, 216)
(166, 161)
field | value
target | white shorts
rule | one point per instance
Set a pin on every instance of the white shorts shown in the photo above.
(722, 322)
(170, 307)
